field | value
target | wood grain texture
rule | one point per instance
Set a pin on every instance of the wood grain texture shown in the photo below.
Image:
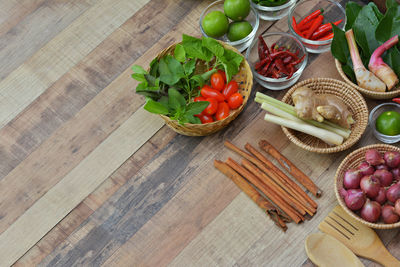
(88, 188)
(54, 59)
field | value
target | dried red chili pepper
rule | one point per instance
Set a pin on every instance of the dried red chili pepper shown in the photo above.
(281, 67)
(294, 63)
(261, 54)
(291, 71)
(287, 60)
(261, 63)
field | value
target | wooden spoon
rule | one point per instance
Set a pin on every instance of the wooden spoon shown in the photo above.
(325, 251)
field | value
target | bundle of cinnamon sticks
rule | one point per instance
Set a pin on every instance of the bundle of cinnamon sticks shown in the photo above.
(258, 174)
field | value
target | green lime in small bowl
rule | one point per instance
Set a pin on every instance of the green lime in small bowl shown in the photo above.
(388, 123)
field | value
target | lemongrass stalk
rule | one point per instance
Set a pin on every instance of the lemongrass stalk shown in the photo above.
(327, 125)
(380, 68)
(365, 78)
(279, 112)
(324, 135)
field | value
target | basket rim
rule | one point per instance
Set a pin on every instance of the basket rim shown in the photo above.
(343, 165)
(347, 143)
(371, 94)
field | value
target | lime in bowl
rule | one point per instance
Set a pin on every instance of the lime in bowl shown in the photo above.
(232, 37)
(384, 121)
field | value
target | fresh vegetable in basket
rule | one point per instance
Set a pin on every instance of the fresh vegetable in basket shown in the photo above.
(375, 37)
(174, 80)
(300, 117)
(373, 190)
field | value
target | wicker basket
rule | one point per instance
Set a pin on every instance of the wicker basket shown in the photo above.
(353, 100)
(370, 94)
(352, 161)
(244, 79)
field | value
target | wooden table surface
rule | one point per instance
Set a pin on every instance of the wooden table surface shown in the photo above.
(87, 177)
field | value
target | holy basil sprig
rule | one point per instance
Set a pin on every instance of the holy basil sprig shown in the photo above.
(173, 80)
(371, 29)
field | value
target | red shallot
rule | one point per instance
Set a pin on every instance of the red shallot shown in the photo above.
(373, 157)
(393, 193)
(371, 211)
(366, 168)
(389, 215)
(352, 179)
(385, 177)
(381, 197)
(392, 159)
(370, 185)
(355, 199)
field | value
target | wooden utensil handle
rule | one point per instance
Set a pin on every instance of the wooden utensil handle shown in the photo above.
(291, 168)
(383, 256)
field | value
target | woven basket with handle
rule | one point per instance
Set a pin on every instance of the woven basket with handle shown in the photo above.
(370, 94)
(352, 161)
(354, 101)
(244, 78)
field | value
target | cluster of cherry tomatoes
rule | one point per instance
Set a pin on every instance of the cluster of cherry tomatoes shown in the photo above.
(221, 96)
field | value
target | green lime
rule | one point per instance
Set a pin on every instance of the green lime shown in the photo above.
(237, 10)
(388, 123)
(239, 30)
(215, 24)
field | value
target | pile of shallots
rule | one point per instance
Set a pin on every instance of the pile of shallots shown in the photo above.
(373, 189)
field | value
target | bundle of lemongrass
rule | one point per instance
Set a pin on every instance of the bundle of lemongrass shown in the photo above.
(285, 115)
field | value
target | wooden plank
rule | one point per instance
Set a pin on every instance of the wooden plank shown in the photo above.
(78, 215)
(63, 197)
(13, 11)
(118, 101)
(146, 193)
(75, 89)
(65, 149)
(54, 59)
(23, 40)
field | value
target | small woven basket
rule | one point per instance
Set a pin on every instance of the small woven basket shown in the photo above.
(352, 161)
(354, 101)
(370, 94)
(244, 78)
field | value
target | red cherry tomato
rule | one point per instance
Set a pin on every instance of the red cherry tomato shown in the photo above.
(212, 107)
(199, 98)
(222, 111)
(223, 74)
(230, 89)
(207, 92)
(204, 118)
(217, 81)
(235, 100)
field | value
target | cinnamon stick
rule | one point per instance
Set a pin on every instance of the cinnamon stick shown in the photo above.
(275, 215)
(289, 184)
(266, 166)
(276, 188)
(291, 168)
(265, 189)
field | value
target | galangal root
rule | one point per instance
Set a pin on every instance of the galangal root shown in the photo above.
(320, 107)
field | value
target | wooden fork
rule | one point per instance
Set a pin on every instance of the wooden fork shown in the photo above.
(359, 238)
